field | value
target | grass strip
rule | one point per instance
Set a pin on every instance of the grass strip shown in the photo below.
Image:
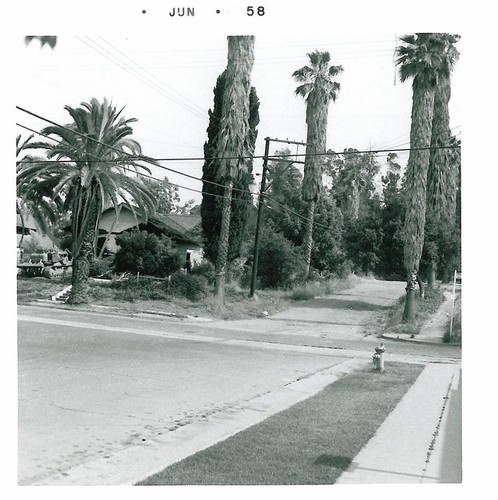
(312, 442)
(425, 308)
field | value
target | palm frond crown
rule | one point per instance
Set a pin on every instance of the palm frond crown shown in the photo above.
(93, 158)
(425, 56)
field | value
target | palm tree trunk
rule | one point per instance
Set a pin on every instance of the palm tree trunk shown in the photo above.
(442, 175)
(416, 186)
(21, 216)
(316, 120)
(221, 260)
(409, 311)
(83, 258)
(308, 236)
(234, 139)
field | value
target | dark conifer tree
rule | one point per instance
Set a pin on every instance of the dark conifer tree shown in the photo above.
(213, 194)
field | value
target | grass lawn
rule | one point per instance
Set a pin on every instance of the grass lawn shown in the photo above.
(312, 442)
(456, 326)
(424, 307)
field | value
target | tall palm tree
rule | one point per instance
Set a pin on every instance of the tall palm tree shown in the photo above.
(423, 57)
(92, 157)
(442, 174)
(234, 140)
(318, 88)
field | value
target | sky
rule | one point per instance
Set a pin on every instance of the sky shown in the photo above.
(167, 81)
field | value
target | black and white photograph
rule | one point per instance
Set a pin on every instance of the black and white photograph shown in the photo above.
(238, 248)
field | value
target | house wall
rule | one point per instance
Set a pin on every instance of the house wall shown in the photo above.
(196, 253)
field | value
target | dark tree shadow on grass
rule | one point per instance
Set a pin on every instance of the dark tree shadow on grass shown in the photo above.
(337, 461)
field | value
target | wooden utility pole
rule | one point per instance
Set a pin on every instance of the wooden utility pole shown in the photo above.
(260, 207)
(258, 221)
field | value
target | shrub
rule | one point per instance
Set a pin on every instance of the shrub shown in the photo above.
(280, 263)
(236, 270)
(206, 269)
(147, 254)
(305, 292)
(190, 286)
(98, 267)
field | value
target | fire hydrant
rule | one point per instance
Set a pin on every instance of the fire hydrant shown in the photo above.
(378, 357)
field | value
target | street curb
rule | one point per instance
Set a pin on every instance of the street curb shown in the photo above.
(49, 304)
(415, 340)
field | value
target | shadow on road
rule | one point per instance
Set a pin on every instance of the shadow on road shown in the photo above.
(330, 303)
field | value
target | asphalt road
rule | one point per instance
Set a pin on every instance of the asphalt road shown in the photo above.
(92, 385)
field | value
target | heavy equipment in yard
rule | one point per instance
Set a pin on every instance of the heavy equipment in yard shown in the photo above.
(52, 264)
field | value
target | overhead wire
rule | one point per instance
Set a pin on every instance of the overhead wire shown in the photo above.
(264, 195)
(153, 161)
(181, 96)
(122, 167)
(241, 157)
(144, 79)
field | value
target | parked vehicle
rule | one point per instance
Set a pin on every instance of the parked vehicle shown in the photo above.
(50, 264)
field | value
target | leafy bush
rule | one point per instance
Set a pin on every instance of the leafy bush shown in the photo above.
(236, 270)
(206, 269)
(98, 267)
(280, 263)
(180, 284)
(190, 286)
(147, 254)
(305, 292)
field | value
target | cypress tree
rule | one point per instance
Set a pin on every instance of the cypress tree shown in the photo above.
(212, 197)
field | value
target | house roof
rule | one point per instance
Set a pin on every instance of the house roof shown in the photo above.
(187, 222)
(124, 221)
(180, 227)
(29, 222)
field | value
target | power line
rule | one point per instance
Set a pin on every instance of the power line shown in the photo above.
(154, 161)
(214, 183)
(117, 163)
(242, 157)
(122, 167)
(406, 136)
(126, 67)
(194, 105)
(287, 209)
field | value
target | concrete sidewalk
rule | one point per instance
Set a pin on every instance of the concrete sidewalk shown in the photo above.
(420, 441)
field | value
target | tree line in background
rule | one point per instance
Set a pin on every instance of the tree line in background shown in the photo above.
(368, 218)
(359, 223)
(408, 228)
